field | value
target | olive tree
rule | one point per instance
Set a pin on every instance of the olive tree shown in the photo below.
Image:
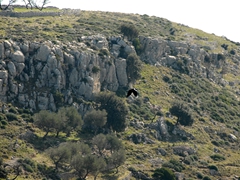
(117, 159)
(95, 119)
(85, 165)
(71, 119)
(46, 121)
(59, 154)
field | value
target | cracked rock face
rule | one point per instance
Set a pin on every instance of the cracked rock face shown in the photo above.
(35, 74)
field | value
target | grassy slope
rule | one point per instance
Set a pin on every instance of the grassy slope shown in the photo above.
(68, 28)
(203, 139)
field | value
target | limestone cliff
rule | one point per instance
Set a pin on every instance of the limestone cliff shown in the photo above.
(32, 73)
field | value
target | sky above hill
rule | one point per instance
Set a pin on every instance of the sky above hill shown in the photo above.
(220, 17)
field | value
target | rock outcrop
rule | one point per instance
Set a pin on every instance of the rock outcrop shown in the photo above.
(32, 74)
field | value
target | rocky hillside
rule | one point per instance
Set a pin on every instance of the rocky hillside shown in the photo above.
(46, 72)
(32, 74)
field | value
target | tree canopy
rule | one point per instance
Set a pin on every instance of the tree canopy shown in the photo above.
(182, 112)
(116, 110)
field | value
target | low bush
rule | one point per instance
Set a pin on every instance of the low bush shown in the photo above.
(13, 110)
(174, 164)
(213, 167)
(217, 157)
(164, 174)
(11, 117)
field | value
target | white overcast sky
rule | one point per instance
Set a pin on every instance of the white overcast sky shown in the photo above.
(221, 17)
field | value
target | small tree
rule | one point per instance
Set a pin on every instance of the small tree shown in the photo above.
(46, 121)
(59, 155)
(117, 159)
(116, 110)
(90, 163)
(78, 148)
(95, 119)
(100, 142)
(36, 4)
(183, 113)
(68, 119)
(133, 67)
(163, 174)
(10, 2)
(113, 143)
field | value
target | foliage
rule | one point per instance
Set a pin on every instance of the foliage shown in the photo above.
(174, 164)
(217, 157)
(90, 163)
(59, 154)
(59, 98)
(46, 121)
(133, 67)
(129, 30)
(213, 167)
(103, 52)
(183, 113)
(117, 159)
(115, 108)
(113, 143)
(3, 172)
(137, 45)
(13, 110)
(95, 119)
(11, 117)
(95, 69)
(71, 119)
(163, 174)
(65, 120)
(100, 141)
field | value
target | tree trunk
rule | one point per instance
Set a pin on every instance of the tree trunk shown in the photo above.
(57, 134)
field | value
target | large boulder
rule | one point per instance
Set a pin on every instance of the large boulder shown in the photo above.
(43, 53)
(18, 57)
(12, 68)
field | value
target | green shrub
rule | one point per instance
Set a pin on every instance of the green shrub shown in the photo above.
(13, 110)
(59, 98)
(206, 178)
(28, 168)
(103, 52)
(199, 175)
(95, 69)
(182, 112)
(137, 45)
(217, 157)
(3, 127)
(213, 167)
(163, 174)
(11, 116)
(134, 67)
(4, 122)
(129, 30)
(174, 164)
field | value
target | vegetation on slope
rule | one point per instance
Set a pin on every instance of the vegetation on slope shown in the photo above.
(213, 108)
